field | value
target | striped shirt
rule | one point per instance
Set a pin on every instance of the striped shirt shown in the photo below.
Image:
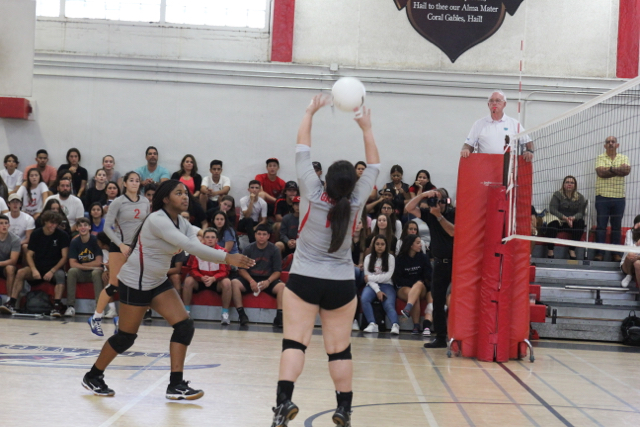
(124, 217)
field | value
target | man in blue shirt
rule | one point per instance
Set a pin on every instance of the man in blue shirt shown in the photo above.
(152, 172)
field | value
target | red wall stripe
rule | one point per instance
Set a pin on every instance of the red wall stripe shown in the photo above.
(282, 30)
(628, 39)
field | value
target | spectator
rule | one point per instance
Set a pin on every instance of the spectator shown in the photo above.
(108, 164)
(195, 214)
(205, 274)
(422, 183)
(79, 175)
(55, 206)
(21, 224)
(152, 172)
(254, 211)
(214, 187)
(387, 209)
(85, 262)
(9, 253)
(228, 206)
(264, 276)
(400, 190)
(630, 262)
(411, 227)
(113, 192)
(360, 167)
(271, 186)
(379, 266)
(189, 176)
(33, 193)
(411, 277)
(566, 213)
(66, 174)
(289, 229)
(47, 172)
(149, 191)
(97, 192)
(11, 176)
(386, 195)
(611, 168)
(96, 218)
(382, 227)
(228, 236)
(359, 243)
(71, 205)
(284, 206)
(47, 254)
(3, 206)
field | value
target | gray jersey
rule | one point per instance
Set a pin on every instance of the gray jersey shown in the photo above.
(312, 257)
(125, 216)
(159, 240)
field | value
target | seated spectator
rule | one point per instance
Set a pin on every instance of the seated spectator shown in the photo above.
(228, 206)
(214, 187)
(360, 167)
(422, 184)
(79, 175)
(400, 190)
(97, 192)
(289, 229)
(47, 172)
(205, 274)
(85, 262)
(33, 193)
(284, 206)
(271, 186)
(55, 206)
(411, 277)
(228, 236)
(11, 176)
(71, 205)
(152, 172)
(359, 244)
(566, 213)
(189, 176)
(385, 195)
(3, 206)
(149, 190)
(21, 224)
(382, 227)
(108, 165)
(46, 257)
(254, 211)
(195, 214)
(9, 253)
(379, 265)
(386, 208)
(113, 192)
(96, 218)
(411, 227)
(630, 263)
(63, 174)
(264, 276)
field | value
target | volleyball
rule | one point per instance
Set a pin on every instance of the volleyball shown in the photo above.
(348, 94)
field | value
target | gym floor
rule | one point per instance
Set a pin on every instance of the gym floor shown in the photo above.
(396, 381)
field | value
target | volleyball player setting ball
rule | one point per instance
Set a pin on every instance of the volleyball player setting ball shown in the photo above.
(322, 278)
(143, 283)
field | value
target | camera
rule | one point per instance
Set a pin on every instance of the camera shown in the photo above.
(432, 202)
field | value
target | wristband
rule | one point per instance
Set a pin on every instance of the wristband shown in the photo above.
(440, 218)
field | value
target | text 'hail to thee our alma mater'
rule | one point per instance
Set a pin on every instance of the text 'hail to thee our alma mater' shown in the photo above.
(438, 11)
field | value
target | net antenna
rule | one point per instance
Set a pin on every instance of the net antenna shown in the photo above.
(568, 145)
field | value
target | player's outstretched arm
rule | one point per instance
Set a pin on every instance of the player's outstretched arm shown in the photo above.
(304, 132)
(370, 148)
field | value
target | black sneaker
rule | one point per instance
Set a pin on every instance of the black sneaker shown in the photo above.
(244, 319)
(183, 391)
(284, 413)
(342, 417)
(439, 342)
(58, 310)
(277, 321)
(147, 316)
(97, 386)
(7, 308)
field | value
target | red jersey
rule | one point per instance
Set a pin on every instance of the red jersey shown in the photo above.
(273, 188)
(199, 268)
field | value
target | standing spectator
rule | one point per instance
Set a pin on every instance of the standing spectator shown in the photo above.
(47, 172)
(11, 176)
(85, 260)
(152, 172)
(79, 175)
(21, 224)
(9, 253)
(189, 176)
(400, 190)
(71, 205)
(33, 193)
(96, 218)
(421, 184)
(97, 192)
(108, 164)
(289, 229)
(254, 211)
(214, 187)
(47, 254)
(271, 185)
(566, 212)
(611, 168)
(228, 237)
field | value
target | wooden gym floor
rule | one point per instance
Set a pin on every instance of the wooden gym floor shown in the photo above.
(396, 381)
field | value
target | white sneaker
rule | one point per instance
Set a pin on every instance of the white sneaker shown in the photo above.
(225, 319)
(426, 332)
(371, 328)
(395, 329)
(109, 312)
(355, 326)
(70, 312)
(625, 282)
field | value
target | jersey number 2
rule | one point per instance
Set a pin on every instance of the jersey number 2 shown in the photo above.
(137, 211)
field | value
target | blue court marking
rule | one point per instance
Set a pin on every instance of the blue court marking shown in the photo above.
(597, 385)
(35, 333)
(511, 399)
(451, 393)
(536, 396)
(582, 411)
(153, 362)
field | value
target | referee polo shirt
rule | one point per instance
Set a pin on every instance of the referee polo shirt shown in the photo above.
(487, 135)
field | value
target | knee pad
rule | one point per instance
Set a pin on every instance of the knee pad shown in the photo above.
(286, 344)
(122, 341)
(429, 309)
(110, 289)
(183, 332)
(343, 355)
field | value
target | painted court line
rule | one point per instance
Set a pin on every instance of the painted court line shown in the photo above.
(416, 387)
(115, 417)
(145, 368)
(629, 386)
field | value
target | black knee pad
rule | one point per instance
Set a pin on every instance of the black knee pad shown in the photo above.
(293, 344)
(343, 355)
(183, 332)
(110, 289)
(122, 341)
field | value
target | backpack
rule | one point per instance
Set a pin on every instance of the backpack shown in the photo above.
(37, 302)
(631, 330)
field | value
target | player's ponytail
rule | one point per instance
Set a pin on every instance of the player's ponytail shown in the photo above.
(341, 180)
